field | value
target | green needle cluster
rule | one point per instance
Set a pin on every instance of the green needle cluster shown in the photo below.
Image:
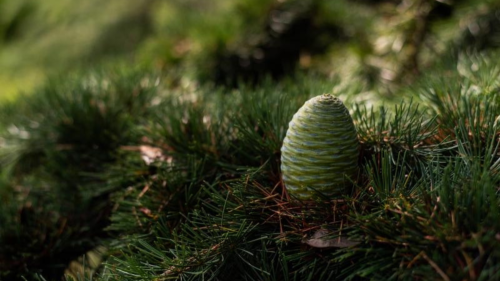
(320, 149)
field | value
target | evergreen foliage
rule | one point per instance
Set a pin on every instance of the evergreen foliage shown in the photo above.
(55, 145)
(425, 207)
(163, 177)
(185, 182)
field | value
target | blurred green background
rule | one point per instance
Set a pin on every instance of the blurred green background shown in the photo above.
(384, 42)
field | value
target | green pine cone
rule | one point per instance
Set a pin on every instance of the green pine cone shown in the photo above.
(320, 149)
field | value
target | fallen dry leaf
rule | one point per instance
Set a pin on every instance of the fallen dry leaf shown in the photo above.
(318, 240)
